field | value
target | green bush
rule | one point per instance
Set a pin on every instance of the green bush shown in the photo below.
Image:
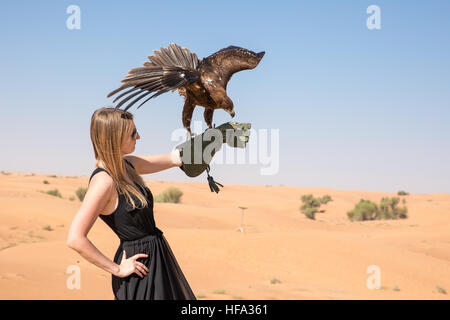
(81, 192)
(325, 199)
(45, 182)
(386, 210)
(440, 290)
(54, 192)
(364, 210)
(402, 193)
(311, 205)
(274, 281)
(389, 210)
(219, 291)
(309, 201)
(171, 195)
(309, 212)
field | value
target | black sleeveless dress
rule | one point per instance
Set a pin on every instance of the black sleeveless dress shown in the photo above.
(138, 233)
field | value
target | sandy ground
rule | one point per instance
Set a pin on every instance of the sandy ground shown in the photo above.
(326, 258)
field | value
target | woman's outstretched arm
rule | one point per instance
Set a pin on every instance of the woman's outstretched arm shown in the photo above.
(155, 163)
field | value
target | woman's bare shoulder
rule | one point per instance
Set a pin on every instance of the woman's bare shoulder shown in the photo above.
(101, 180)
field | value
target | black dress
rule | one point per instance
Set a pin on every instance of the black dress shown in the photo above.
(138, 233)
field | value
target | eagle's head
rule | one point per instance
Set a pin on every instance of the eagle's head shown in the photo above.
(229, 106)
(230, 110)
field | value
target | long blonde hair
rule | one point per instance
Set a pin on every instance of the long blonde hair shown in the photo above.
(109, 128)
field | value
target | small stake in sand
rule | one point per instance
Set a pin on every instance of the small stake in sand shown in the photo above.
(241, 228)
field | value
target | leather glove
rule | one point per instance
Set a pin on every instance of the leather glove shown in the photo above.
(197, 153)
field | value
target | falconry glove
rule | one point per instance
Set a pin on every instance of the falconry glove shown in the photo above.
(197, 153)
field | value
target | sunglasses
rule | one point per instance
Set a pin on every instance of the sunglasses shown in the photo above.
(134, 134)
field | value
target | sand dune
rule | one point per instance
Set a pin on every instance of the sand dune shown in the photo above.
(322, 259)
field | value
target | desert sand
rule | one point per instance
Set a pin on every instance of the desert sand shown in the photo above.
(280, 255)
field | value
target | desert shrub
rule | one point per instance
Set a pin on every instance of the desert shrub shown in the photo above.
(309, 212)
(368, 210)
(389, 209)
(402, 193)
(440, 289)
(219, 291)
(364, 210)
(310, 205)
(274, 280)
(171, 195)
(54, 192)
(325, 199)
(45, 182)
(309, 201)
(81, 192)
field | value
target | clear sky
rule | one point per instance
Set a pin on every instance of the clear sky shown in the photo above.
(356, 109)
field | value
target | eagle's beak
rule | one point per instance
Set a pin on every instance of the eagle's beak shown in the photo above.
(231, 112)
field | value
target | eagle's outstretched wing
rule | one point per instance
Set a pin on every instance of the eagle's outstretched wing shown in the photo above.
(167, 70)
(232, 59)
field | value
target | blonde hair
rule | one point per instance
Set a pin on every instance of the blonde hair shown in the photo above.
(109, 128)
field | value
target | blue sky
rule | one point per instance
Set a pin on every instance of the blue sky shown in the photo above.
(356, 109)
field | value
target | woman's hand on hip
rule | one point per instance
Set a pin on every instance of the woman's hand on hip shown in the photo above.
(130, 265)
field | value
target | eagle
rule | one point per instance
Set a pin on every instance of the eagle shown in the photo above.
(202, 83)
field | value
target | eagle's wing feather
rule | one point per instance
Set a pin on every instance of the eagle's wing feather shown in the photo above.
(153, 79)
(175, 56)
(167, 70)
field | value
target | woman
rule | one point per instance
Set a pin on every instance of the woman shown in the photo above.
(144, 266)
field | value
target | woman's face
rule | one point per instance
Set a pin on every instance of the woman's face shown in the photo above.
(129, 143)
